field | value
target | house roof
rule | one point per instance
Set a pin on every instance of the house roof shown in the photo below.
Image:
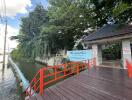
(109, 30)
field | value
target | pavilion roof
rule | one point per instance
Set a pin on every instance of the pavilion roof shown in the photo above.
(108, 31)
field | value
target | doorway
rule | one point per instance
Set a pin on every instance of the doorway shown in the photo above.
(111, 55)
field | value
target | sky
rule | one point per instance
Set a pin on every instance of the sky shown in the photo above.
(15, 9)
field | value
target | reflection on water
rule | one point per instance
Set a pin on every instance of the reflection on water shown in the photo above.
(29, 69)
(8, 90)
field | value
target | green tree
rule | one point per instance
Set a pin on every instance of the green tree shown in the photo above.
(70, 18)
(65, 21)
(122, 12)
(30, 39)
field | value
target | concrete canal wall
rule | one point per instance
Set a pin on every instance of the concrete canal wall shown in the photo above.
(25, 82)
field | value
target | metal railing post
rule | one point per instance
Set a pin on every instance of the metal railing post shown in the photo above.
(41, 82)
(55, 71)
(65, 69)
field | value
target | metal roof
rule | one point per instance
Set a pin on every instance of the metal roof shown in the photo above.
(109, 30)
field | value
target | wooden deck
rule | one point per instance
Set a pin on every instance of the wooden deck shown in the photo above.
(100, 84)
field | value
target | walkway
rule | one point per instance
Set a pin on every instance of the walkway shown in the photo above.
(100, 84)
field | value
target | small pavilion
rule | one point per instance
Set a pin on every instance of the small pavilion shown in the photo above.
(111, 33)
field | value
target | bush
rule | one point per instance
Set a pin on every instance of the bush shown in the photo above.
(112, 52)
(16, 55)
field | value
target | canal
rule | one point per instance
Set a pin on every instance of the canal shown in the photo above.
(10, 88)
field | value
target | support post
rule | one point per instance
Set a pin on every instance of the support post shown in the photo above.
(65, 65)
(55, 71)
(126, 52)
(97, 53)
(41, 82)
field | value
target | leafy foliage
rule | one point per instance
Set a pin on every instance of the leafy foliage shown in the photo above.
(112, 52)
(30, 38)
(46, 31)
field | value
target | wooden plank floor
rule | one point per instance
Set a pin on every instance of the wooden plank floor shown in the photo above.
(100, 84)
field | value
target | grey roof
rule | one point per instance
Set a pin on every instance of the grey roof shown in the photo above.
(110, 30)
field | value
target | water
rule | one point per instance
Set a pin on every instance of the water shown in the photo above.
(29, 69)
(8, 84)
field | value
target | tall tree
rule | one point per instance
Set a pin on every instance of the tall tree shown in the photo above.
(69, 16)
(31, 41)
(65, 21)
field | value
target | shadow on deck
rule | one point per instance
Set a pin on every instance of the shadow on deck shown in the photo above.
(96, 84)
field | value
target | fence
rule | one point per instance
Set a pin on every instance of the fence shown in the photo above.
(61, 71)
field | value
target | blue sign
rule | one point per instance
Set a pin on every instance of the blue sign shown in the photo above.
(79, 55)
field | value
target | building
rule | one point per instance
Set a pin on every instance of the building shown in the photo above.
(111, 33)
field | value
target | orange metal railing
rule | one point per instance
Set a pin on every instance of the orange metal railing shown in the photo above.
(129, 68)
(38, 82)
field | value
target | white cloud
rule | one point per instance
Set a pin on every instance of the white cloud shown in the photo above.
(14, 7)
(11, 31)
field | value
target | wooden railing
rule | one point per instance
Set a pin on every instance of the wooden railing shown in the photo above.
(61, 71)
(129, 68)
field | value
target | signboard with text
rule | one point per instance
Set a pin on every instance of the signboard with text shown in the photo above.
(79, 55)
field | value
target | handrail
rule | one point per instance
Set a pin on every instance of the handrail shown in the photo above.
(59, 72)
